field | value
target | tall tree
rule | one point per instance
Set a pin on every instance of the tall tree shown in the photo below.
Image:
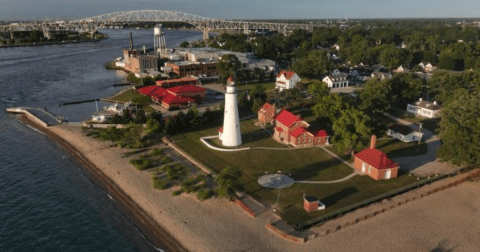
(406, 87)
(375, 96)
(315, 64)
(227, 181)
(351, 130)
(460, 129)
(228, 65)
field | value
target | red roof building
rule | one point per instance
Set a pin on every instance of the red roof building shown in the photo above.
(177, 96)
(292, 130)
(266, 114)
(375, 163)
(288, 74)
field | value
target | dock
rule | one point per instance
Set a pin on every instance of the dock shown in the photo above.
(40, 116)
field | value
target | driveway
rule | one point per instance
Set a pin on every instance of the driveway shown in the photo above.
(427, 164)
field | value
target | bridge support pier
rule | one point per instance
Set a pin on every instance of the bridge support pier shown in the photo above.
(245, 29)
(205, 34)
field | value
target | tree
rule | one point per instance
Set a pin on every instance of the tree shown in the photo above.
(351, 130)
(406, 87)
(375, 96)
(228, 65)
(257, 104)
(227, 180)
(184, 44)
(392, 56)
(460, 129)
(315, 64)
(258, 92)
(330, 106)
(318, 89)
(272, 76)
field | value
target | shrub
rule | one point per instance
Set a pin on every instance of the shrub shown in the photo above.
(158, 183)
(142, 163)
(177, 192)
(204, 194)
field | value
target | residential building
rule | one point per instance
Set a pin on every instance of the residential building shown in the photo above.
(266, 114)
(427, 67)
(381, 75)
(286, 80)
(375, 163)
(336, 79)
(424, 108)
(404, 133)
(401, 69)
(292, 130)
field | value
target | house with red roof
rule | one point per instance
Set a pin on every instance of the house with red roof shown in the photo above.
(286, 80)
(266, 114)
(375, 163)
(292, 130)
(174, 97)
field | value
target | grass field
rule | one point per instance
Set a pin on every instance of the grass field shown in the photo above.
(312, 164)
(430, 124)
(142, 101)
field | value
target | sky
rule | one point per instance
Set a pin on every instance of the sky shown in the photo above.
(244, 9)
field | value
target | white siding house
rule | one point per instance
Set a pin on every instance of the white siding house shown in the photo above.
(424, 108)
(404, 133)
(286, 80)
(336, 79)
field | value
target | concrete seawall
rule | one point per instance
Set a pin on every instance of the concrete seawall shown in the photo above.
(29, 116)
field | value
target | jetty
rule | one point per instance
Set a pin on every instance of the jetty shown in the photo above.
(40, 116)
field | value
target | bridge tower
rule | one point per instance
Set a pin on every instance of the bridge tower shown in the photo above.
(205, 34)
(159, 44)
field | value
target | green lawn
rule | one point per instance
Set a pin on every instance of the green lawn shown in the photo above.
(430, 124)
(132, 95)
(312, 164)
(266, 85)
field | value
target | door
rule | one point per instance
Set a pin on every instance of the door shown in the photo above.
(387, 174)
(364, 165)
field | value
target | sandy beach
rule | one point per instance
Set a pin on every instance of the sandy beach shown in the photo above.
(447, 219)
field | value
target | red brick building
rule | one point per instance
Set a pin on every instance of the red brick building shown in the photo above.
(266, 114)
(174, 97)
(375, 163)
(292, 130)
(185, 68)
(311, 204)
(177, 82)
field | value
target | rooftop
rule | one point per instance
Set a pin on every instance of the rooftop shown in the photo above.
(286, 118)
(402, 129)
(376, 158)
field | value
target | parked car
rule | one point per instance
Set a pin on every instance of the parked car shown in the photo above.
(220, 97)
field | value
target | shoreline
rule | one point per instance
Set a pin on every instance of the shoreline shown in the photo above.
(53, 43)
(147, 226)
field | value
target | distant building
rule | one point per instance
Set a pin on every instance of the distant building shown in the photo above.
(375, 163)
(186, 68)
(401, 69)
(424, 108)
(404, 133)
(336, 79)
(291, 130)
(381, 76)
(427, 67)
(286, 80)
(266, 114)
(177, 82)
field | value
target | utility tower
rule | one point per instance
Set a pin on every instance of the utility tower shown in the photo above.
(159, 44)
(231, 136)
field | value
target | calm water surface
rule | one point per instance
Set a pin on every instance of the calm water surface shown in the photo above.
(46, 201)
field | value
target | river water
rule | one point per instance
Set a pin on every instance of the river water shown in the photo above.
(46, 201)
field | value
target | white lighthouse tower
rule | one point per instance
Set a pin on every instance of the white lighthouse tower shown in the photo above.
(230, 134)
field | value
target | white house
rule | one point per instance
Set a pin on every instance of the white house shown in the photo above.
(286, 80)
(424, 108)
(401, 69)
(381, 76)
(404, 133)
(337, 47)
(336, 79)
(426, 67)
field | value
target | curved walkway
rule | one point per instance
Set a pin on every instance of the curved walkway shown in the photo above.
(328, 182)
(217, 148)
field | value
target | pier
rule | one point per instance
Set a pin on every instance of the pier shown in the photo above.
(40, 116)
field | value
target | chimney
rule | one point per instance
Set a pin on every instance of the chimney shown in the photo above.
(434, 102)
(420, 99)
(131, 42)
(373, 142)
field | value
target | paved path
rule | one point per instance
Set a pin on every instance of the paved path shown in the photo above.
(328, 182)
(337, 157)
(427, 164)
